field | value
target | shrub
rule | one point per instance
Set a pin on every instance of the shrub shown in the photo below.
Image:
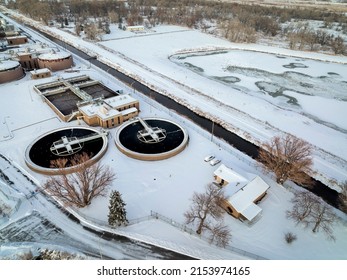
(290, 237)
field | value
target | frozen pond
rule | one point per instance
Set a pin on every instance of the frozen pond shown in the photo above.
(313, 88)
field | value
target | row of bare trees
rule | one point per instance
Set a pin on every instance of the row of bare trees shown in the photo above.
(301, 36)
(310, 210)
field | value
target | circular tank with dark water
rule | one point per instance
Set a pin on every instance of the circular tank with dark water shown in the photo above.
(151, 138)
(65, 143)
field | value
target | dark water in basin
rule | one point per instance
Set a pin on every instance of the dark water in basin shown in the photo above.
(174, 137)
(41, 155)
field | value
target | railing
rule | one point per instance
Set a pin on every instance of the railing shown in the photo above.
(171, 222)
(17, 200)
(184, 228)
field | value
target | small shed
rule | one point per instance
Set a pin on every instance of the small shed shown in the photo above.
(40, 73)
(242, 192)
(135, 28)
(17, 40)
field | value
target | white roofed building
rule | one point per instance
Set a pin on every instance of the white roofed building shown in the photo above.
(40, 73)
(110, 112)
(242, 192)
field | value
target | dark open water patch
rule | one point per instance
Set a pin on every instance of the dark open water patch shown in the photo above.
(275, 90)
(227, 79)
(295, 65)
(193, 67)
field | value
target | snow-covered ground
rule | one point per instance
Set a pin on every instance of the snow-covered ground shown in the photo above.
(276, 90)
(302, 93)
(167, 186)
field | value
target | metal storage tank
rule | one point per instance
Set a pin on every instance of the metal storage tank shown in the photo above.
(55, 61)
(10, 70)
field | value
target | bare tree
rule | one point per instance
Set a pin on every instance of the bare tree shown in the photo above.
(289, 158)
(79, 188)
(220, 235)
(48, 254)
(113, 16)
(303, 204)
(78, 29)
(91, 31)
(205, 211)
(338, 45)
(236, 31)
(205, 205)
(311, 210)
(323, 217)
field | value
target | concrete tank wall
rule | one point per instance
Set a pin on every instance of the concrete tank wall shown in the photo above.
(11, 74)
(55, 64)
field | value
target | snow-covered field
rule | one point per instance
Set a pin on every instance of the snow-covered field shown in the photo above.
(167, 186)
(258, 91)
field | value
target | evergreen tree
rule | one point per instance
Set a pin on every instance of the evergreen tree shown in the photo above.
(117, 212)
(107, 28)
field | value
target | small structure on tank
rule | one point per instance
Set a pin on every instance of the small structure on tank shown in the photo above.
(150, 134)
(71, 145)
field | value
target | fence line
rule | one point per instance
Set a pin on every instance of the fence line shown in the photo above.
(18, 201)
(184, 228)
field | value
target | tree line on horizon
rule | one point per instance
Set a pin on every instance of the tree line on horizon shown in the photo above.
(233, 21)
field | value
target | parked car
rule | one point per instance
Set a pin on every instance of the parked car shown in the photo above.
(214, 161)
(208, 158)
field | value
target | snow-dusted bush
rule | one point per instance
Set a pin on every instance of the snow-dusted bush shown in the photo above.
(290, 237)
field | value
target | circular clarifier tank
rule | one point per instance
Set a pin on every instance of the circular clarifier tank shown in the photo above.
(151, 138)
(65, 143)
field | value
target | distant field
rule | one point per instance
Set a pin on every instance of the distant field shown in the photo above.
(337, 5)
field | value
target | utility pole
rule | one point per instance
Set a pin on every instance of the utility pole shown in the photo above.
(212, 131)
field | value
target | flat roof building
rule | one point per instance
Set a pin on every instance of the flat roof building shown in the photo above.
(110, 112)
(17, 40)
(84, 98)
(40, 73)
